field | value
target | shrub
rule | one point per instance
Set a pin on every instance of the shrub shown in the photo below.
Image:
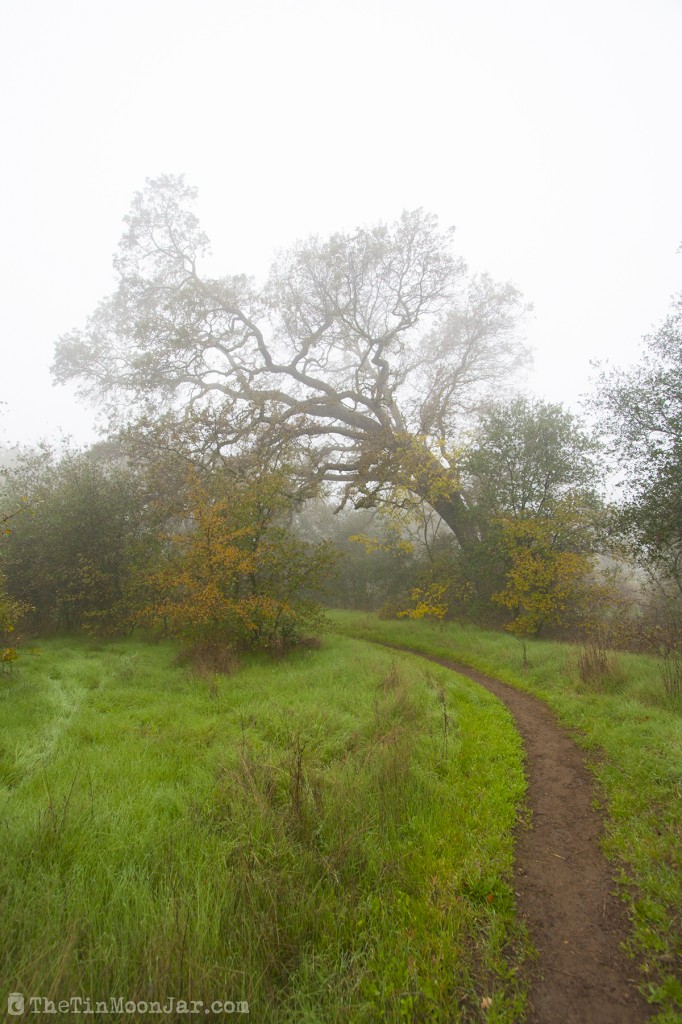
(233, 576)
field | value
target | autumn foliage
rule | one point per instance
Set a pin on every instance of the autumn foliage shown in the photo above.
(10, 612)
(552, 577)
(543, 581)
(232, 573)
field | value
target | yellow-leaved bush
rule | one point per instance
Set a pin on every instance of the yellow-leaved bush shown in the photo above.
(232, 572)
(549, 580)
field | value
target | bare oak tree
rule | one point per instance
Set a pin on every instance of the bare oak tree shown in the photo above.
(367, 348)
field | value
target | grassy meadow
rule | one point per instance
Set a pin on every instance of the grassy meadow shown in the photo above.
(327, 837)
(631, 726)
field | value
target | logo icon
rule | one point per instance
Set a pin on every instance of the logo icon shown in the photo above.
(15, 1004)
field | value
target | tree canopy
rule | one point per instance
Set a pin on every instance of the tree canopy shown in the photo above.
(526, 457)
(366, 349)
(641, 415)
(70, 558)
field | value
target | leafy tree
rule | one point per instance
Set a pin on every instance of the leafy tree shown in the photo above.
(527, 456)
(233, 574)
(552, 581)
(527, 462)
(366, 349)
(70, 559)
(641, 416)
(545, 580)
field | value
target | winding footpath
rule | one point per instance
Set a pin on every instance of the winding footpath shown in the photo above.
(562, 879)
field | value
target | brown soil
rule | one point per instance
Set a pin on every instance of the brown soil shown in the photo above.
(564, 883)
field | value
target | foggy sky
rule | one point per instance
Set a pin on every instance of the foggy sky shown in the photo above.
(548, 134)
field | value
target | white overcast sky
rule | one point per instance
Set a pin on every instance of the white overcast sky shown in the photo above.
(547, 132)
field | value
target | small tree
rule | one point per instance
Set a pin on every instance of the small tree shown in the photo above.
(541, 580)
(232, 574)
(550, 579)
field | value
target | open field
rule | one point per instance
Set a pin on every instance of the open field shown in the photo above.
(327, 837)
(632, 732)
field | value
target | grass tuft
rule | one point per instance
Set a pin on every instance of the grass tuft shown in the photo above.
(599, 668)
(671, 675)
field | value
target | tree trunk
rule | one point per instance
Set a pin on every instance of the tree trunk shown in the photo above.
(456, 514)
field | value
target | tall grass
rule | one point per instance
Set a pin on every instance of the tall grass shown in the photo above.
(326, 837)
(629, 717)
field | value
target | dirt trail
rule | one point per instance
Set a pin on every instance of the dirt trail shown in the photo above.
(563, 880)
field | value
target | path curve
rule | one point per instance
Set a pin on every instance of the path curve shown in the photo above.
(563, 881)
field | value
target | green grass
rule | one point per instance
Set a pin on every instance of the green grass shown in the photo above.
(327, 837)
(633, 731)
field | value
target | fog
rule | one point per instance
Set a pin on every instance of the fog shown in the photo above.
(547, 134)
